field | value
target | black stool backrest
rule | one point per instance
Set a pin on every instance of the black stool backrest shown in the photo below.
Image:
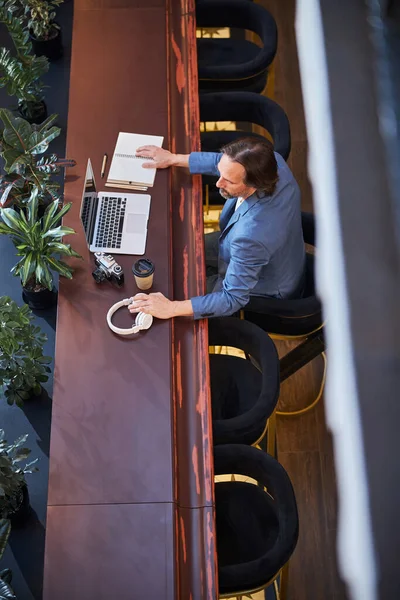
(244, 15)
(251, 462)
(228, 331)
(252, 108)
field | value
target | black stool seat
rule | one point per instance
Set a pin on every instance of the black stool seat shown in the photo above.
(242, 396)
(257, 530)
(296, 317)
(242, 536)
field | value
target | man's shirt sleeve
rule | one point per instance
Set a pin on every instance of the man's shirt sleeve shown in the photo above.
(247, 259)
(204, 163)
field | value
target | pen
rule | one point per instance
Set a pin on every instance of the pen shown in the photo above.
(103, 166)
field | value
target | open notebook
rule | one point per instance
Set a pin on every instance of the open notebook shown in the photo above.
(126, 169)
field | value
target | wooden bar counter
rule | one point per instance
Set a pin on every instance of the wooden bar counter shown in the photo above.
(130, 501)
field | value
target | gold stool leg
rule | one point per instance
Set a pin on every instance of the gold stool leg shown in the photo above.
(207, 200)
(276, 589)
(271, 435)
(284, 582)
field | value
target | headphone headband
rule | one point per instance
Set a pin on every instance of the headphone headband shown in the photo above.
(142, 321)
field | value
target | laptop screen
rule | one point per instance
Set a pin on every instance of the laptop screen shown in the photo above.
(89, 204)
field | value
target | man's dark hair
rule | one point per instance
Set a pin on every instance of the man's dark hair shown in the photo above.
(258, 159)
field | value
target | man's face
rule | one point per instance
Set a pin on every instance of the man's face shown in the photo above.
(231, 182)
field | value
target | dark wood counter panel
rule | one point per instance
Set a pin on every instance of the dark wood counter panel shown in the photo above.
(130, 503)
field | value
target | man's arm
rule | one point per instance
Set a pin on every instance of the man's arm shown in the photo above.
(247, 259)
(161, 158)
(159, 306)
(205, 163)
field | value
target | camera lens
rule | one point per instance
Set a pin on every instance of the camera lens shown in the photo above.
(98, 275)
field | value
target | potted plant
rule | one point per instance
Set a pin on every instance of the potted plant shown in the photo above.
(21, 145)
(44, 32)
(14, 496)
(23, 367)
(6, 591)
(21, 74)
(39, 243)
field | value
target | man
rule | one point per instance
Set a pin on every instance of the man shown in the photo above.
(259, 250)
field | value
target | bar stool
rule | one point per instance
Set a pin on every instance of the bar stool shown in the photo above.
(242, 395)
(244, 107)
(234, 64)
(240, 107)
(257, 525)
(297, 319)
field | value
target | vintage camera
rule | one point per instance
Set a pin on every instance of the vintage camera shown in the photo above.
(107, 268)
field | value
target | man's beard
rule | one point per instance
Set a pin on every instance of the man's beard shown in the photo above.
(225, 194)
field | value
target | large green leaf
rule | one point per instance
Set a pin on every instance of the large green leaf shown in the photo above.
(16, 131)
(28, 267)
(39, 141)
(13, 220)
(33, 207)
(46, 124)
(5, 228)
(11, 159)
(60, 267)
(43, 274)
(58, 232)
(65, 249)
(49, 214)
(58, 216)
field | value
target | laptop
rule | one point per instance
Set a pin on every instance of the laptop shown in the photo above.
(113, 222)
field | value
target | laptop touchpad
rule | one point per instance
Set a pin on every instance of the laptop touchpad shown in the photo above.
(136, 223)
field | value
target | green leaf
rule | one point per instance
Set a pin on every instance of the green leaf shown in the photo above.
(45, 360)
(28, 268)
(63, 211)
(33, 206)
(46, 124)
(39, 142)
(60, 267)
(22, 453)
(13, 219)
(6, 592)
(16, 131)
(58, 232)
(43, 275)
(49, 214)
(11, 159)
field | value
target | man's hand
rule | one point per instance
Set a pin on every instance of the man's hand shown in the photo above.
(161, 159)
(159, 306)
(153, 304)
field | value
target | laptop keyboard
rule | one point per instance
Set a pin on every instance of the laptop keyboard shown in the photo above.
(111, 222)
(85, 213)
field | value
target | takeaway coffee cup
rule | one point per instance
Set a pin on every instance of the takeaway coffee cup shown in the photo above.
(143, 270)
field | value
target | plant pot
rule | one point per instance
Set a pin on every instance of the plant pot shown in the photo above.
(39, 300)
(51, 48)
(19, 515)
(33, 112)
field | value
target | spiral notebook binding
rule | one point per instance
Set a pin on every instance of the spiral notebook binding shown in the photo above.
(133, 156)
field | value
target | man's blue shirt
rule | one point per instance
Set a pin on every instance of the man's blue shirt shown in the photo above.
(261, 247)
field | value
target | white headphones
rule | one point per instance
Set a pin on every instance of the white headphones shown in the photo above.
(142, 321)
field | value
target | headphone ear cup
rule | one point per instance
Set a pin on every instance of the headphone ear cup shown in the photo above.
(143, 320)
